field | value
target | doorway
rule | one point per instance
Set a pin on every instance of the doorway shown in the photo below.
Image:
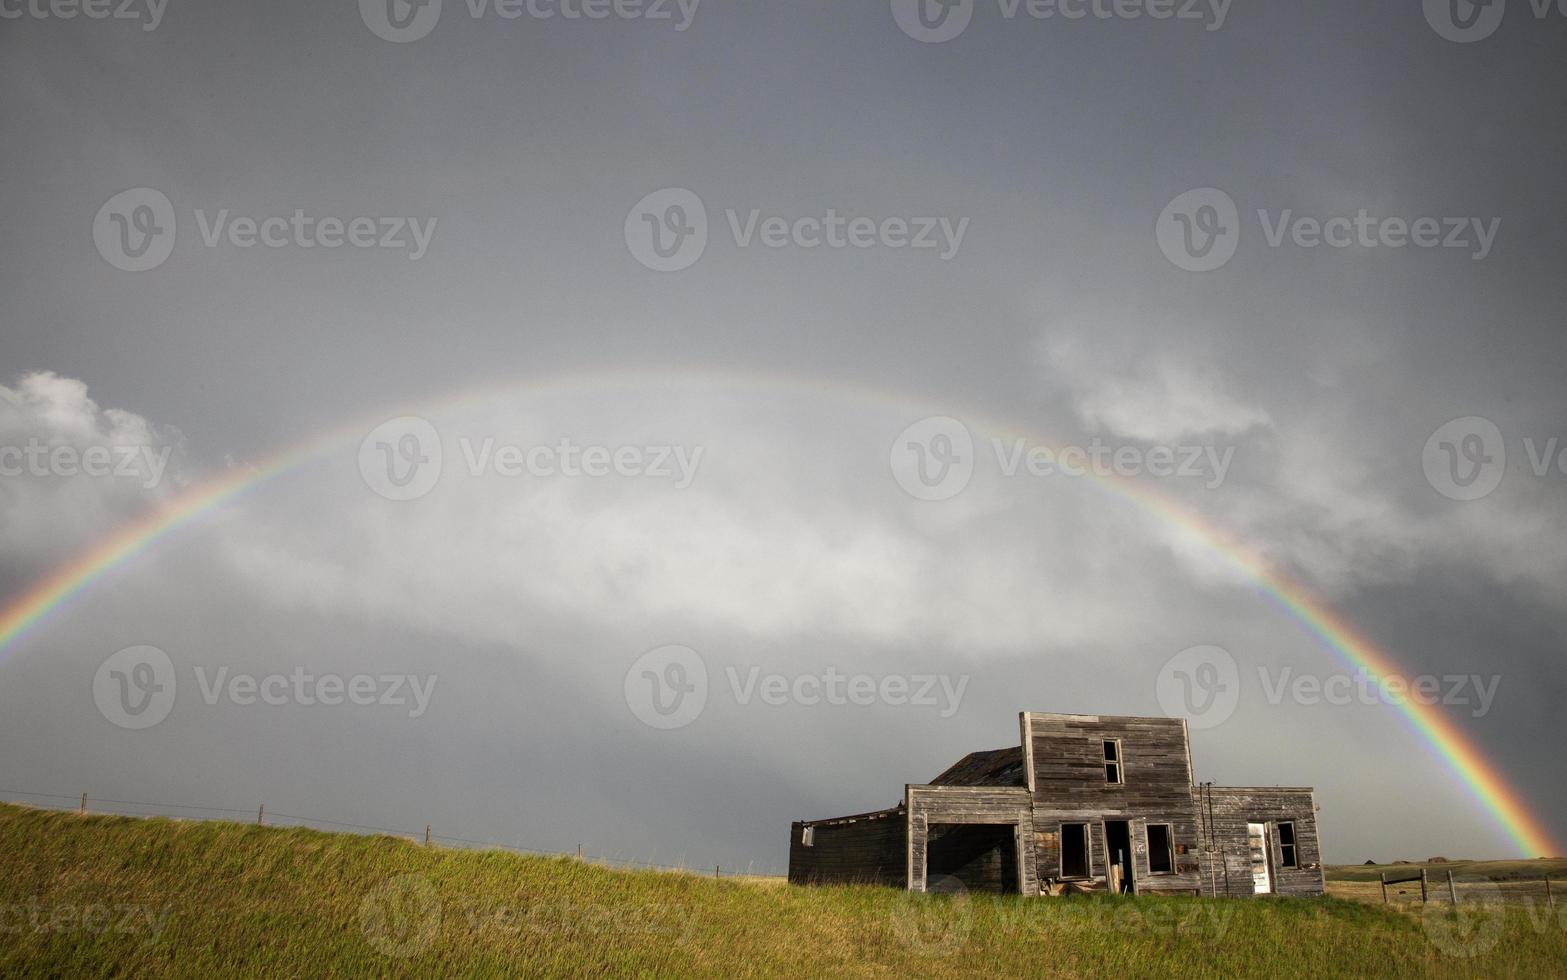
(980, 857)
(1118, 857)
(1259, 844)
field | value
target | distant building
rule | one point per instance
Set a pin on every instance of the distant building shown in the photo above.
(1086, 803)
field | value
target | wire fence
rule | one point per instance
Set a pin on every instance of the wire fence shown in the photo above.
(85, 803)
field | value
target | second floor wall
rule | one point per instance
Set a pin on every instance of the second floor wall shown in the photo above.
(1107, 763)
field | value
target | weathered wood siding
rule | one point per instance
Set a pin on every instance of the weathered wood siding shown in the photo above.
(1064, 756)
(993, 805)
(872, 849)
(1233, 808)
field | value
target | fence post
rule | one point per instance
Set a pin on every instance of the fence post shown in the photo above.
(1383, 876)
(715, 872)
(83, 810)
(427, 835)
(579, 852)
(1422, 886)
(1452, 890)
(1550, 900)
(261, 812)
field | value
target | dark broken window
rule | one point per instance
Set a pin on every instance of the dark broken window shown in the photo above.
(1161, 855)
(1074, 850)
(1287, 854)
(1112, 760)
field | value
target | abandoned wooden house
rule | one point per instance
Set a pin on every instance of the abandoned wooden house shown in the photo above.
(1085, 803)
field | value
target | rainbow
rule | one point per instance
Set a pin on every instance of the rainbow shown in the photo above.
(1484, 781)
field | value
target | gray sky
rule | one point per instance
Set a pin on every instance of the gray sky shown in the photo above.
(1057, 304)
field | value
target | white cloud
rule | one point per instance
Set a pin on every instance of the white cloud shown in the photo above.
(72, 470)
(747, 553)
(1154, 399)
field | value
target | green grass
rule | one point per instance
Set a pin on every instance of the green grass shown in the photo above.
(118, 896)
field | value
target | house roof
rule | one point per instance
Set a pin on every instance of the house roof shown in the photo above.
(856, 818)
(996, 767)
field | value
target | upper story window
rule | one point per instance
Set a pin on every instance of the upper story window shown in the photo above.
(1113, 772)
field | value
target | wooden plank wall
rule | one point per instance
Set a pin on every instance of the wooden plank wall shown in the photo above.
(872, 850)
(931, 805)
(1069, 786)
(1235, 807)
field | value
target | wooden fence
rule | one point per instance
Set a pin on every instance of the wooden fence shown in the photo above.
(1454, 891)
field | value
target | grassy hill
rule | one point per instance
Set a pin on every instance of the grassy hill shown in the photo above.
(99, 896)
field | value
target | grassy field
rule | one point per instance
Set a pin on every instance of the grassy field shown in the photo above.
(106, 896)
(1500, 871)
(1518, 882)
